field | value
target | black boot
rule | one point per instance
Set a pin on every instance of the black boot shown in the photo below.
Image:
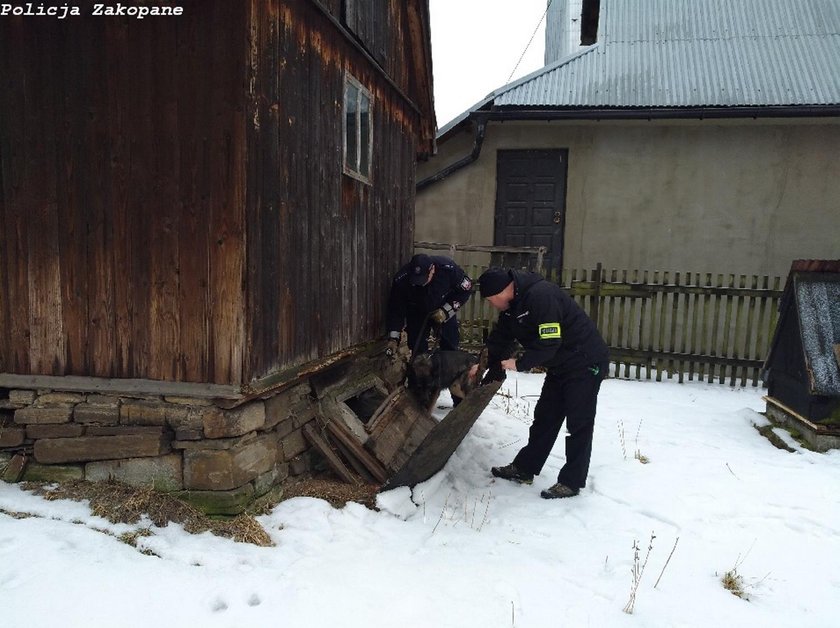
(513, 473)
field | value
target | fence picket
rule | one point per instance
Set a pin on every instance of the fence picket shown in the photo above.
(691, 326)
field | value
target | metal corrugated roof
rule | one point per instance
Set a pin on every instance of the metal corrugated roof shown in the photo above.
(696, 53)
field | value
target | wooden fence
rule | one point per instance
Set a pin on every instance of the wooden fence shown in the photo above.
(684, 325)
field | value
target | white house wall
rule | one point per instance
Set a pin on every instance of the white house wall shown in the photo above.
(745, 196)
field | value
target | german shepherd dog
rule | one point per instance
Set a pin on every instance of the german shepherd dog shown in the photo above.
(430, 373)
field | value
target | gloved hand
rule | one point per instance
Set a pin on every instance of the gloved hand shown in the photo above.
(391, 349)
(494, 374)
(442, 314)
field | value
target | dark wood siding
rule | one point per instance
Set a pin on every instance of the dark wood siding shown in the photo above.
(322, 245)
(172, 201)
(122, 157)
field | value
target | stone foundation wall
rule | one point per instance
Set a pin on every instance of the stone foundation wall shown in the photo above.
(218, 459)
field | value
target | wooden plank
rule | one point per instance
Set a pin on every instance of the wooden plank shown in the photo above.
(409, 443)
(164, 291)
(126, 386)
(693, 345)
(750, 348)
(226, 138)
(358, 467)
(194, 118)
(727, 319)
(79, 150)
(638, 308)
(735, 351)
(384, 414)
(644, 332)
(641, 355)
(392, 435)
(343, 435)
(713, 346)
(818, 428)
(47, 349)
(686, 330)
(15, 148)
(660, 334)
(672, 335)
(329, 455)
(642, 290)
(124, 235)
(621, 340)
(431, 455)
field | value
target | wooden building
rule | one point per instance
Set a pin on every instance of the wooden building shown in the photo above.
(803, 366)
(197, 213)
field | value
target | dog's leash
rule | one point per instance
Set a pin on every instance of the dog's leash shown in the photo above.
(419, 337)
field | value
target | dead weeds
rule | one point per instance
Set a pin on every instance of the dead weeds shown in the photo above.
(333, 491)
(120, 503)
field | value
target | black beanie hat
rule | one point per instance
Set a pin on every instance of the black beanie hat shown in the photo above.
(493, 281)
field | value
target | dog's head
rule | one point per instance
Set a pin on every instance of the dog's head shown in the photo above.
(429, 373)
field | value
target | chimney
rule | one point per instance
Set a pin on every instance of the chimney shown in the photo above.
(569, 24)
(590, 12)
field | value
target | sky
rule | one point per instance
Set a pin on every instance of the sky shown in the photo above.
(677, 468)
(476, 44)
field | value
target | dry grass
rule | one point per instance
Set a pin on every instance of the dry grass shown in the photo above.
(734, 583)
(335, 492)
(119, 503)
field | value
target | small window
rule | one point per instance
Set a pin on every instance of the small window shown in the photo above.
(357, 130)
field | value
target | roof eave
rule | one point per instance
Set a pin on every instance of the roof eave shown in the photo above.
(510, 114)
(651, 113)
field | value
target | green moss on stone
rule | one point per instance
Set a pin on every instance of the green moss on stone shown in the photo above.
(36, 472)
(231, 502)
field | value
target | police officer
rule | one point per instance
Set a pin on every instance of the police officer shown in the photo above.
(428, 290)
(557, 335)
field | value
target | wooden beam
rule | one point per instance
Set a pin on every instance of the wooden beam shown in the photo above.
(343, 435)
(325, 450)
(817, 428)
(366, 475)
(442, 441)
(116, 386)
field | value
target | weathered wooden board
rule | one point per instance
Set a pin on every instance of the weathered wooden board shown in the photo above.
(348, 440)
(399, 424)
(441, 442)
(320, 443)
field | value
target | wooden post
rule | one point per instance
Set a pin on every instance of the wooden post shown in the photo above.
(596, 299)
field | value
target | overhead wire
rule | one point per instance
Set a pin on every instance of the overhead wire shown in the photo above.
(528, 45)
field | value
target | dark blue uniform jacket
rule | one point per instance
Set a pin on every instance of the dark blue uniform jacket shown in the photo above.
(450, 284)
(554, 331)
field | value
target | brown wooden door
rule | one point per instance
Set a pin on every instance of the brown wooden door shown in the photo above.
(531, 201)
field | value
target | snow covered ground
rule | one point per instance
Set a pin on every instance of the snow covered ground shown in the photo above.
(467, 550)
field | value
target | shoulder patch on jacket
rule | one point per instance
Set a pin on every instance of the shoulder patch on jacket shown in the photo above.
(550, 330)
(466, 283)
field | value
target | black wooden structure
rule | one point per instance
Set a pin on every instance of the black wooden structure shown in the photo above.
(802, 371)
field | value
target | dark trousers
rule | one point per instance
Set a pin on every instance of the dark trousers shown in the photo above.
(573, 397)
(448, 333)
